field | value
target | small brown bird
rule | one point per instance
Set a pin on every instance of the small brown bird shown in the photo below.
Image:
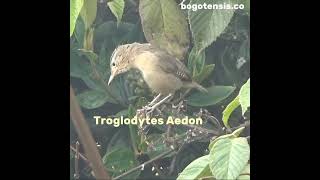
(163, 73)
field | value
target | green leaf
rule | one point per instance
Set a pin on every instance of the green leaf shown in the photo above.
(79, 32)
(234, 134)
(120, 139)
(207, 25)
(93, 83)
(79, 67)
(165, 26)
(109, 29)
(92, 99)
(89, 54)
(229, 109)
(104, 57)
(244, 174)
(218, 138)
(117, 7)
(237, 132)
(215, 95)
(206, 71)
(88, 40)
(196, 169)
(75, 7)
(89, 12)
(119, 161)
(244, 96)
(228, 157)
(196, 61)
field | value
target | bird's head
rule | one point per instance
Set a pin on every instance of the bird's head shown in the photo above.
(120, 61)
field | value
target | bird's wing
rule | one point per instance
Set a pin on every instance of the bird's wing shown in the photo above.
(173, 66)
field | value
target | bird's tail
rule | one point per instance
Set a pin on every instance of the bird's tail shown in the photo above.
(198, 86)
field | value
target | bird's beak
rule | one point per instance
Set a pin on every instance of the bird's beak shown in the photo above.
(114, 73)
(111, 78)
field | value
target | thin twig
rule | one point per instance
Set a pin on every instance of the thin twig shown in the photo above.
(144, 164)
(86, 138)
(80, 155)
(245, 124)
(202, 129)
(76, 162)
(172, 165)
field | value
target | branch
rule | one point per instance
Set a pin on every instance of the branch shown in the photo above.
(86, 138)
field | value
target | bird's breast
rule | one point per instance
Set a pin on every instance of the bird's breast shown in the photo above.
(161, 82)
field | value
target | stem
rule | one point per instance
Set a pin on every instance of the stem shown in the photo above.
(86, 138)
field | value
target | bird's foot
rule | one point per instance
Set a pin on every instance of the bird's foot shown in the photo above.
(147, 111)
(150, 109)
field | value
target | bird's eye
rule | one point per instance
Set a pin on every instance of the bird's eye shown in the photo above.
(113, 64)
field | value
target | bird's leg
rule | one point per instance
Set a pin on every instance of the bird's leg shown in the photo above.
(154, 100)
(151, 109)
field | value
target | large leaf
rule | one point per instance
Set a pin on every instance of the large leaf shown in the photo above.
(89, 54)
(75, 8)
(109, 29)
(244, 96)
(79, 67)
(245, 174)
(206, 71)
(119, 161)
(215, 95)
(88, 40)
(228, 157)
(89, 12)
(116, 7)
(234, 134)
(165, 26)
(196, 169)
(196, 61)
(120, 139)
(207, 25)
(229, 109)
(79, 33)
(93, 99)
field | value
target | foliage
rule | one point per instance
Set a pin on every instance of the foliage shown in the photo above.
(214, 45)
(228, 158)
(242, 99)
